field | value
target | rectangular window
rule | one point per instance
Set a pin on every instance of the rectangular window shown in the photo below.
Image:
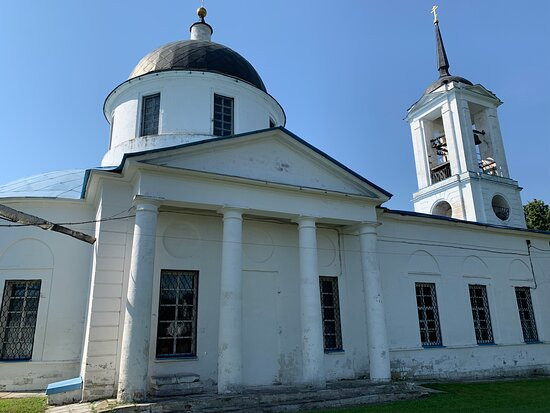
(18, 319)
(330, 310)
(428, 315)
(526, 315)
(150, 109)
(223, 115)
(480, 314)
(177, 316)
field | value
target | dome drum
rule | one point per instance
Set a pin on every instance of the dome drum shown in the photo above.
(185, 110)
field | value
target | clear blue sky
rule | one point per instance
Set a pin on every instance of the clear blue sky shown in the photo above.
(345, 72)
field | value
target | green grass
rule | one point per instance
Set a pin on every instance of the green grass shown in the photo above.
(26, 405)
(521, 396)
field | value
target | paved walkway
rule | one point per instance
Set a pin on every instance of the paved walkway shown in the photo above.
(72, 408)
(19, 395)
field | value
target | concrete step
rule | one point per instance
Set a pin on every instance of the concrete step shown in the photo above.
(175, 385)
(277, 399)
(291, 399)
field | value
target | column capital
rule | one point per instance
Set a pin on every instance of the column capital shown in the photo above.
(445, 107)
(364, 227)
(143, 203)
(305, 221)
(229, 212)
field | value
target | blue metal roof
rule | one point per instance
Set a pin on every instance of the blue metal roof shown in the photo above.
(59, 184)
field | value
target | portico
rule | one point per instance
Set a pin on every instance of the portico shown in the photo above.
(172, 200)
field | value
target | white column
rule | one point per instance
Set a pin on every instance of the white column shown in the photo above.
(379, 357)
(313, 356)
(230, 327)
(454, 139)
(498, 144)
(134, 356)
(420, 154)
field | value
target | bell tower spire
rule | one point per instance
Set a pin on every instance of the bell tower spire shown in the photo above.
(442, 61)
(461, 165)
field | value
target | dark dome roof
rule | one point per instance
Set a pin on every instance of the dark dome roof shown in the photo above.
(444, 80)
(199, 55)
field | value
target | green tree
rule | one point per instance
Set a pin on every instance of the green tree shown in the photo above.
(537, 215)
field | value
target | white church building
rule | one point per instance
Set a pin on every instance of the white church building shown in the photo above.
(231, 252)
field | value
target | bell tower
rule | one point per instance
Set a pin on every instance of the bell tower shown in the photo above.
(459, 154)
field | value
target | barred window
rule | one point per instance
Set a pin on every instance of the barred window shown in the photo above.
(223, 115)
(428, 315)
(330, 310)
(177, 317)
(526, 315)
(480, 314)
(18, 319)
(150, 109)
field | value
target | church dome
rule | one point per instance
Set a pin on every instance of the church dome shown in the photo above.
(444, 80)
(201, 56)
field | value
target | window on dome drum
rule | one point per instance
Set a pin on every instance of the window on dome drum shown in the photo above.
(223, 115)
(271, 123)
(527, 315)
(428, 315)
(177, 316)
(330, 310)
(480, 314)
(150, 109)
(18, 319)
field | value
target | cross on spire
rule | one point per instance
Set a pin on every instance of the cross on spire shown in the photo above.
(434, 12)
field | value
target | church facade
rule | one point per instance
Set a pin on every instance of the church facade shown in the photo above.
(231, 252)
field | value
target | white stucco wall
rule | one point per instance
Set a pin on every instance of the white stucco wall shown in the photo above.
(63, 266)
(81, 332)
(453, 256)
(271, 328)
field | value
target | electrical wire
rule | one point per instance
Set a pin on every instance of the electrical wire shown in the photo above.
(115, 217)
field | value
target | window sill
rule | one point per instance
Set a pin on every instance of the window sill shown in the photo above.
(334, 351)
(15, 361)
(177, 358)
(532, 342)
(433, 346)
(486, 344)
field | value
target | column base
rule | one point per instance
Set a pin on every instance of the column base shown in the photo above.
(316, 385)
(131, 396)
(380, 381)
(230, 389)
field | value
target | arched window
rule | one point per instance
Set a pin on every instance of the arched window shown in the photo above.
(443, 208)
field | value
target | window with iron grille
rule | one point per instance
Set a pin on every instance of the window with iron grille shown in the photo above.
(223, 115)
(330, 310)
(177, 317)
(480, 314)
(428, 315)
(18, 319)
(526, 315)
(150, 109)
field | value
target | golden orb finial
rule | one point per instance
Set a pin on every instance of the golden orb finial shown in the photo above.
(201, 11)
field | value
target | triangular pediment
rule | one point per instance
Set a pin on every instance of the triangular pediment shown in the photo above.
(274, 156)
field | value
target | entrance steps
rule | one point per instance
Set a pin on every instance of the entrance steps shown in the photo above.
(284, 398)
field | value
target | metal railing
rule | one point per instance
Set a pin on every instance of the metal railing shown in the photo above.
(441, 172)
(502, 212)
